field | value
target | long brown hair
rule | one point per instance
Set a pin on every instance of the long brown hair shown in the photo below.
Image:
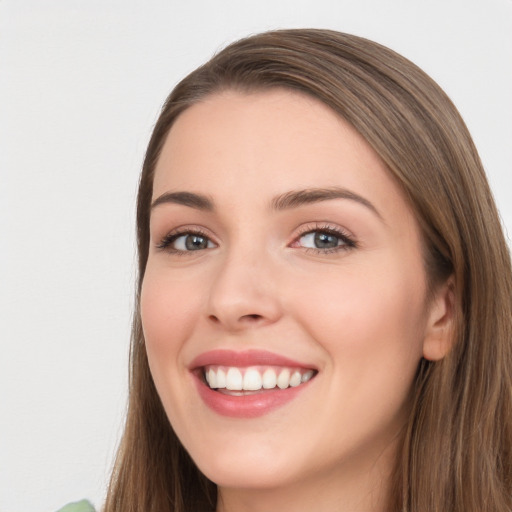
(456, 453)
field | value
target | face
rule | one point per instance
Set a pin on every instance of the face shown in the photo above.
(285, 269)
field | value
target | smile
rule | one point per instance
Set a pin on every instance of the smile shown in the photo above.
(255, 378)
(248, 384)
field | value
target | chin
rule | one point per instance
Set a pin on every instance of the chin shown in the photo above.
(249, 471)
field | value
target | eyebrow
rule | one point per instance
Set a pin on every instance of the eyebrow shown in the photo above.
(197, 201)
(298, 198)
(286, 201)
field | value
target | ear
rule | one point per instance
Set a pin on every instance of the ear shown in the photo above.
(439, 334)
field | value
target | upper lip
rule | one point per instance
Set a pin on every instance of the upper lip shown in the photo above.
(241, 359)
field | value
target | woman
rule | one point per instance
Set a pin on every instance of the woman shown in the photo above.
(324, 294)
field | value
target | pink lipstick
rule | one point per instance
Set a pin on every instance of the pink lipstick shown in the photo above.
(250, 383)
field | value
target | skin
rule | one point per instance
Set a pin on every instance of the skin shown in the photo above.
(357, 312)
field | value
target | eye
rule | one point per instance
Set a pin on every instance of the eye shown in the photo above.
(191, 242)
(324, 240)
(185, 242)
(320, 240)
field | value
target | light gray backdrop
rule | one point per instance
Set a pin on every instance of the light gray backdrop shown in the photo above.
(81, 83)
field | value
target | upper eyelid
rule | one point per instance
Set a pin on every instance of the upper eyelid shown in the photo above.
(186, 229)
(170, 236)
(323, 226)
(350, 241)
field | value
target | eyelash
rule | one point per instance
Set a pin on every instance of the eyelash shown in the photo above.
(166, 243)
(347, 241)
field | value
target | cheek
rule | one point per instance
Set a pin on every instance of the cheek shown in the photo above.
(368, 321)
(371, 329)
(168, 313)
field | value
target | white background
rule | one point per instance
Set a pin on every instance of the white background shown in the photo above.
(81, 84)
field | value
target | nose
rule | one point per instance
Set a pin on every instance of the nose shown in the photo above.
(242, 295)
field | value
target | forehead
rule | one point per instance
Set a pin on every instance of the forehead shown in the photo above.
(268, 142)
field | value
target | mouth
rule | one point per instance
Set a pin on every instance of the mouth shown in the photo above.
(249, 384)
(237, 381)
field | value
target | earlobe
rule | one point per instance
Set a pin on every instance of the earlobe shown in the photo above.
(439, 335)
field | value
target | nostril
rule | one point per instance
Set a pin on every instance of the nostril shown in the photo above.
(244, 319)
(251, 317)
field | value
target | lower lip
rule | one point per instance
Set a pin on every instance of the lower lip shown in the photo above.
(247, 406)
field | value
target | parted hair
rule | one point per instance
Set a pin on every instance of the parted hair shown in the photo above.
(456, 448)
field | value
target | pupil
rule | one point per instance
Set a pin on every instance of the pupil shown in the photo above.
(195, 242)
(325, 241)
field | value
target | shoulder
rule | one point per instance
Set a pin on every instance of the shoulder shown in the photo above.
(78, 506)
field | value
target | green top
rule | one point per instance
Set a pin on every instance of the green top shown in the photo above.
(78, 506)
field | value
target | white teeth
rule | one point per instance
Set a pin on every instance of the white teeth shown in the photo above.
(255, 378)
(252, 380)
(306, 376)
(269, 379)
(283, 381)
(295, 379)
(234, 379)
(221, 379)
(212, 378)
